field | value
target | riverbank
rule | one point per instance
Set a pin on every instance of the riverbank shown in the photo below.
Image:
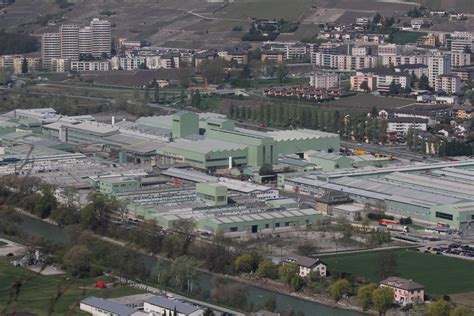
(280, 288)
(256, 293)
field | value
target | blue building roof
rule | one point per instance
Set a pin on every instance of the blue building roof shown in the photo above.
(170, 304)
(108, 306)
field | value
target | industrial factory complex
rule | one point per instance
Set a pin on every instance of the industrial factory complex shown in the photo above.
(201, 167)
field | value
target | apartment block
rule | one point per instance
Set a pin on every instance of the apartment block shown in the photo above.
(324, 80)
(90, 66)
(460, 59)
(101, 37)
(343, 62)
(50, 48)
(69, 41)
(85, 40)
(417, 69)
(438, 64)
(357, 80)
(450, 84)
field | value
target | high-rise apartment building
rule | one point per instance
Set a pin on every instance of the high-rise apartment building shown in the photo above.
(50, 48)
(101, 37)
(69, 41)
(85, 40)
(438, 64)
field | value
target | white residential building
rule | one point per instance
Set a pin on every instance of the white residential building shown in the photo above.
(401, 125)
(90, 66)
(438, 64)
(101, 37)
(307, 265)
(324, 80)
(69, 41)
(343, 62)
(85, 40)
(50, 48)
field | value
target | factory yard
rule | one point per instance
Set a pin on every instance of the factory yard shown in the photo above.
(440, 274)
(304, 242)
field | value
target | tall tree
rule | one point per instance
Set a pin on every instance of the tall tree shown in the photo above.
(364, 295)
(339, 288)
(383, 299)
(282, 72)
(24, 66)
(95, 215)
(439, 308)
(364, 86)
(424, 83)
(184, 271)
(157, 93)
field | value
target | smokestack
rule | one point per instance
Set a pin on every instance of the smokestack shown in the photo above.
(113, 120)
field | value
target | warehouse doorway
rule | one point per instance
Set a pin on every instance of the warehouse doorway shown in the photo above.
(254, 229)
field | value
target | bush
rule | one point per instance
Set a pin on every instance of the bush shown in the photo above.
(377, 216)
(405, 221)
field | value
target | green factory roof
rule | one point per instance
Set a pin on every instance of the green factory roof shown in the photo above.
(323, 155)
(460, 207)
(16, 135)
(263, 216)
(205, 146)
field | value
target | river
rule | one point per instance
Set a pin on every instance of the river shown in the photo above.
(206, 281)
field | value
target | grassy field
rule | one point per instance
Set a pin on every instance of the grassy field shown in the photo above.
(36, 294)
(266, 9)
(367, 101)
(439, 274)
(405, 37)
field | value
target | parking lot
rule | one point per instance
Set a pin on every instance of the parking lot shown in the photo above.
(452, 250)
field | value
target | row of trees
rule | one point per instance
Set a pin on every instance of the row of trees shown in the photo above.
(360, 128)
(439, 145)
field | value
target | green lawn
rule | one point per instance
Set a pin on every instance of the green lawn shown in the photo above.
(439, 274)
(36, 294)
(405, 37)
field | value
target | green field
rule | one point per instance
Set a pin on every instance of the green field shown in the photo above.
(367, 101)
(36, 294)
(439, 274)
(405, 37)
